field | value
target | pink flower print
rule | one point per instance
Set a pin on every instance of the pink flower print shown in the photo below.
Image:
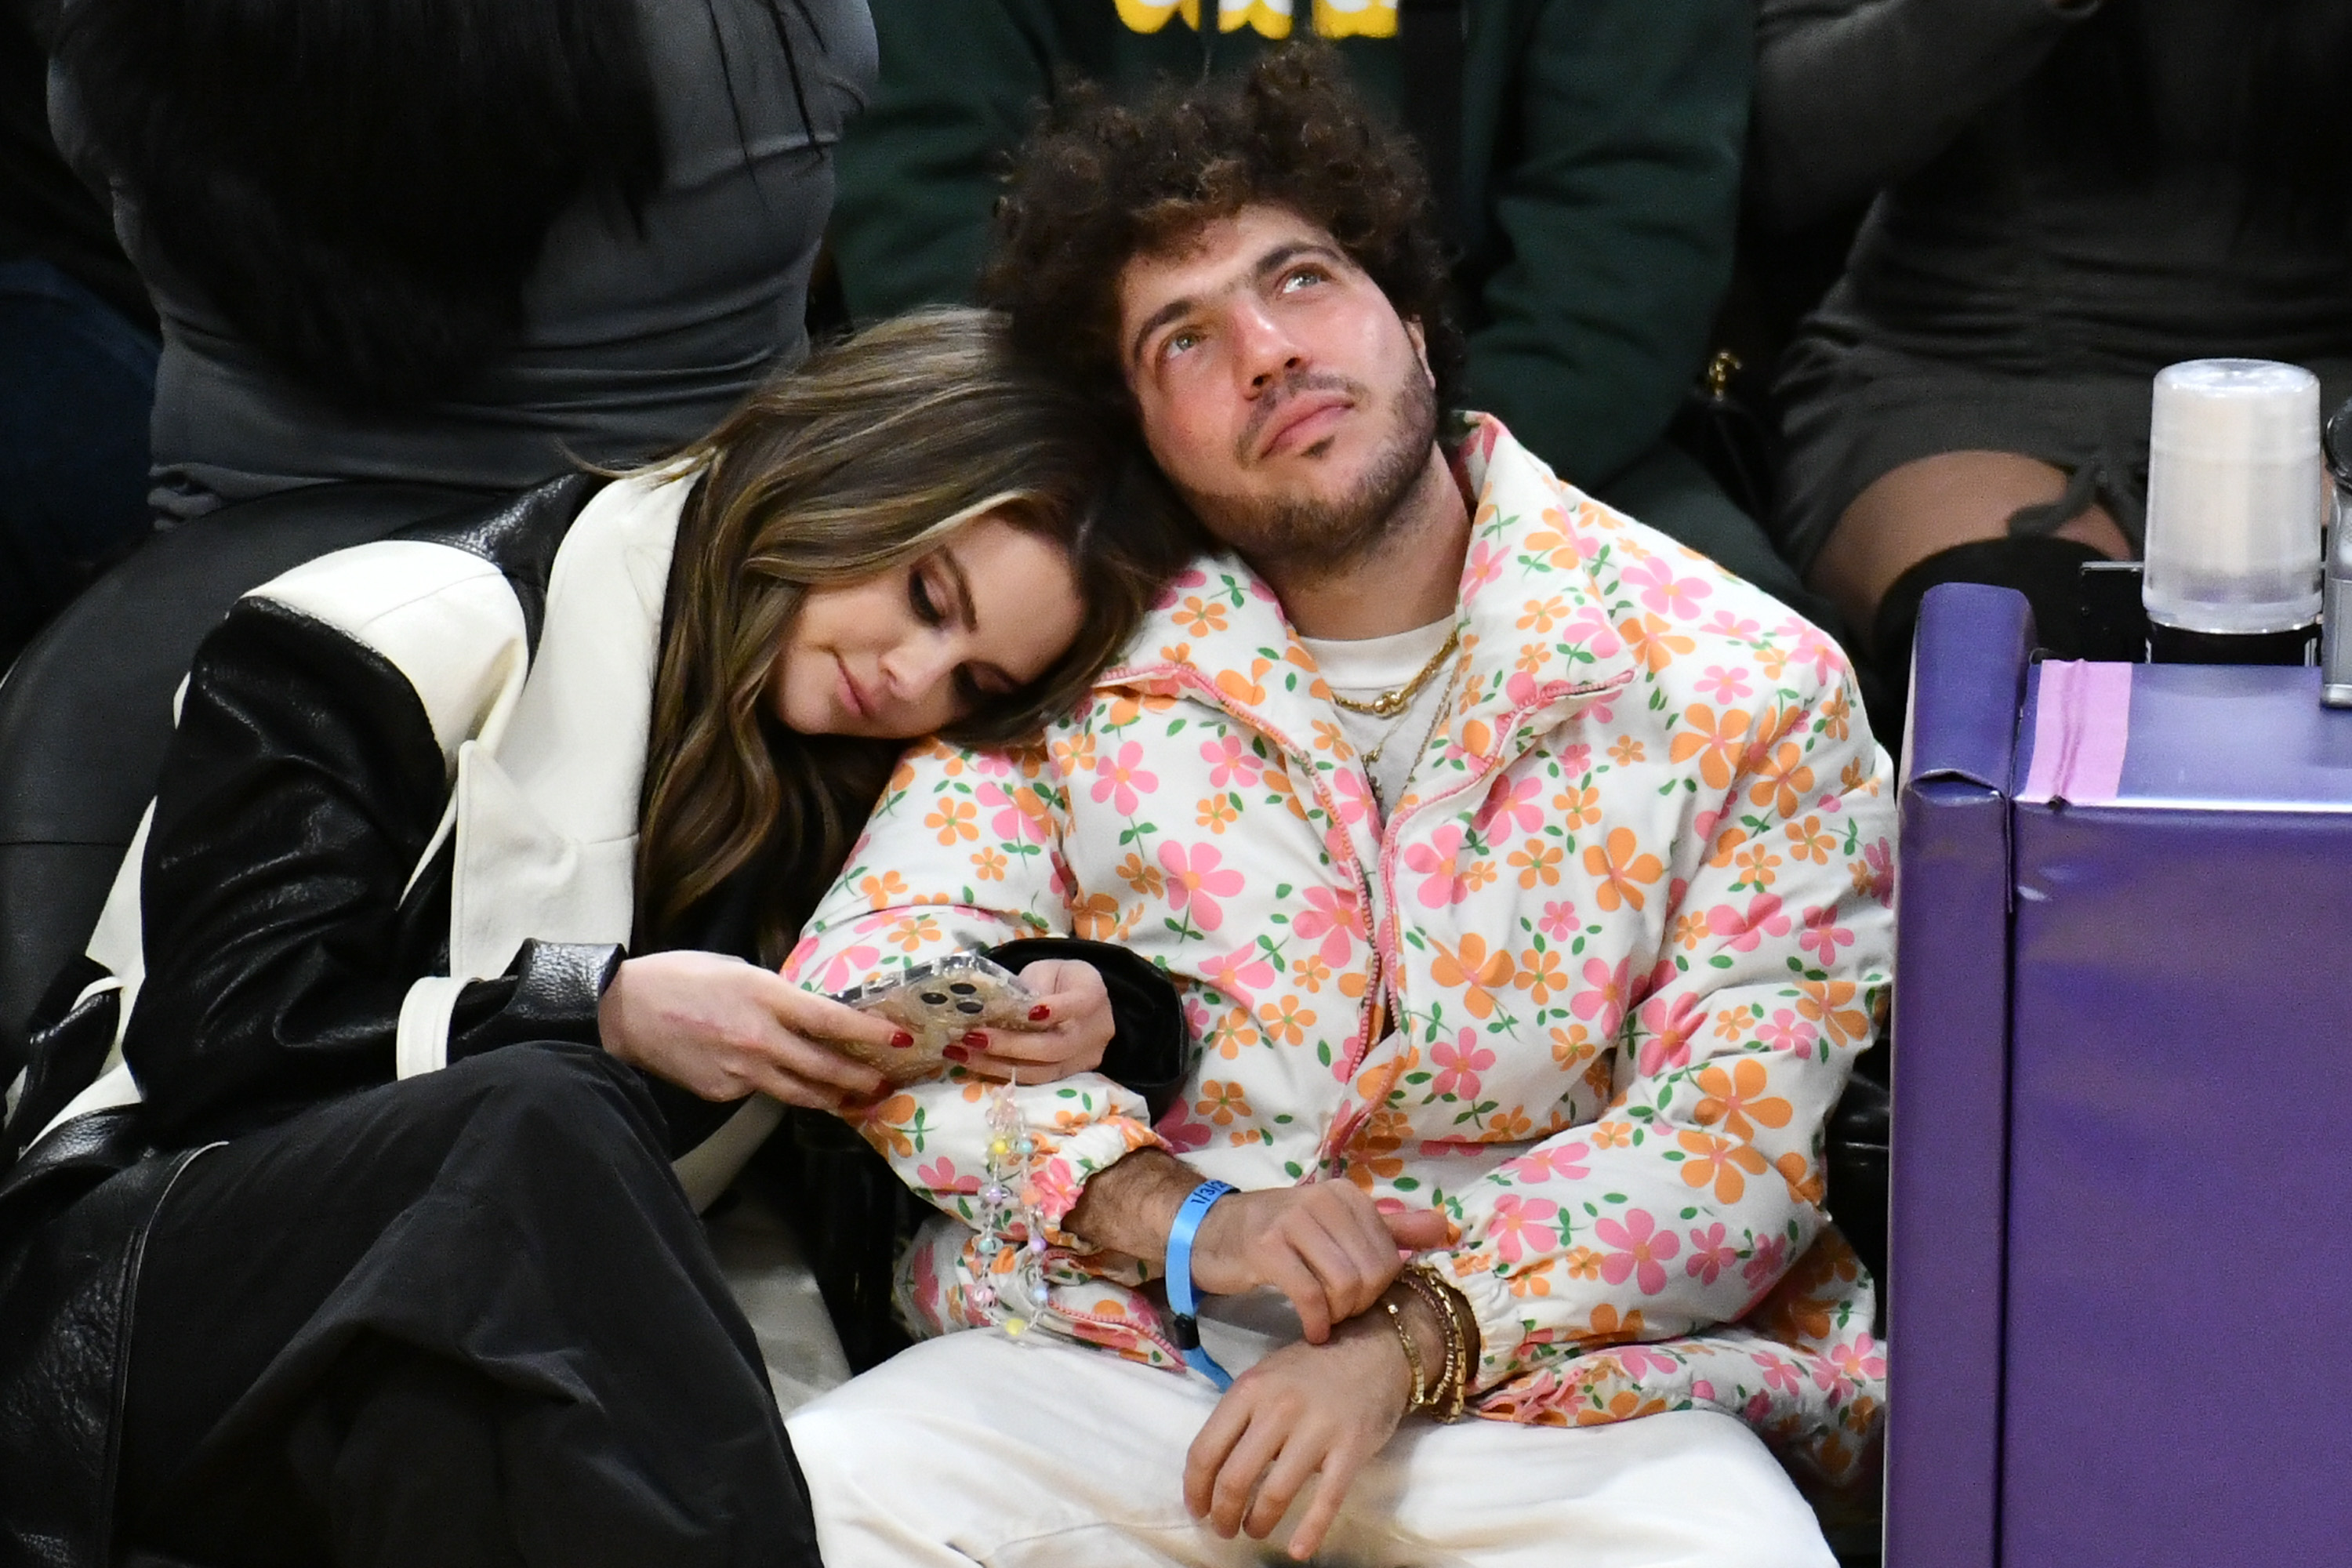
(1232, 763)
(1199, 877)
(1020, 816)
(1558, 920)
(1787, 1032)
(1663, 592)
(1590, 630)
(1121, 777)
(1523, 1223)
(992, 764)
(1435, 861)
(1671, 1029)
(924, 1278)
(1723, 686)
(1348, 783)
(1057, 1188)
(1565, 1161)
(1178, 1128)
(1333, 914)
(1641, 1360)
(1857, 1363)
(1823, 934)
(847, 967)
(1520, 801)
(1740, 932)
(1766, 1264)
(1818, 651)
(1644, 1251)
(1724, 624)
(1242, 973)
(1602, 1003)
(1701, 1389)
(1575, 761)
(1459, 1064)
(1486, 563)
(940, 1176)
(1779, 1374)
(1710, 1254)
(1874, 874)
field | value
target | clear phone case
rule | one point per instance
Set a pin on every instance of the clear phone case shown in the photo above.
(937, 1003)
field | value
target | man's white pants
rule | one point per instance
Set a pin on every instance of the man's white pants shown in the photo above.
(1034, 1453)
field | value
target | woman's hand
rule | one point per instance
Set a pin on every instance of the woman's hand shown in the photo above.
(1306, 1410)
(1066, 1031)
(722, 1028)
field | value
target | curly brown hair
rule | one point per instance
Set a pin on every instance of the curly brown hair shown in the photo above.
(1097, 183)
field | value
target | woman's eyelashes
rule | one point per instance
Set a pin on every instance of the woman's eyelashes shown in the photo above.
(924, 599)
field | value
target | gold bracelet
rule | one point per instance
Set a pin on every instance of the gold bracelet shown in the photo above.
(1412, 1357)
(1461, 1362)
(1419, 1280)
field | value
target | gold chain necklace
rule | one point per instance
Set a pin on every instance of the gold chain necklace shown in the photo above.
(1389, 704)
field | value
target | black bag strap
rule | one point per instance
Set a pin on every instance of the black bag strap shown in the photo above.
(1430, 36)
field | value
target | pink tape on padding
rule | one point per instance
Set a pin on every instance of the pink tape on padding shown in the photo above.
(2082, 727)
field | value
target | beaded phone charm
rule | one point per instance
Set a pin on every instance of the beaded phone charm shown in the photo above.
(1014, 1287)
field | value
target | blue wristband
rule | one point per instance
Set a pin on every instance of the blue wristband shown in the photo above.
(1184, 1305)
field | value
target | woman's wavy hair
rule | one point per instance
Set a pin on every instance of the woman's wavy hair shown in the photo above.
(1098, 183)
(873, 454)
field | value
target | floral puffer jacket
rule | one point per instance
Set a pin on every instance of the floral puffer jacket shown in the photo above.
(1592, 992)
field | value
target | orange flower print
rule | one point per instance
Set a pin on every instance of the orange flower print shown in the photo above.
(1221, 1102)
(1652, 639)
(1583, 1263)
(1096, 918)
(1625, 751)
(1578, 806)
(955, 820)
(1835, 713)
(1331, 739)
(1542, 615)
(1217, 813)
(1619, 865)
(1782, 781)
(1719, 1162)
(1613, 1136)
(1541, 977)
(1231, 1033)
(881, 893)
(1473, 968)
(1806, 1184)
(1477, 874)
(1736, 1098)
(913, 932)
(989, 865)
(1076, 754)
(1624, 1405)
(1757, 867)
(1311, 973)
(1536, 862)
(885, 1126)
(1285, 1022)
(1828, 1004)
(1609, 1328)
(1142, 876)
(1809, 841)
(1200, 617)
(1690, 931)
(1572, 1045)
(1716, 743)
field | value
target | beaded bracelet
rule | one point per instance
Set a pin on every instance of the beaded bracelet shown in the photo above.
(1448, 1399)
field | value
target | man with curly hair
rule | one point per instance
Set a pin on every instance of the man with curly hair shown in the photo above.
(1520, 871)
(1589, 156)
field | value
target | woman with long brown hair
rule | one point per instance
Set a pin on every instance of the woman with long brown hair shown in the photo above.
(350, 1211)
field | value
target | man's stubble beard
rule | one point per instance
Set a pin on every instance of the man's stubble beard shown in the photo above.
(1304, 540)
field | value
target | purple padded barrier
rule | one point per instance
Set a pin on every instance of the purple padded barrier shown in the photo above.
(1951, 1033)
(2180, 1272)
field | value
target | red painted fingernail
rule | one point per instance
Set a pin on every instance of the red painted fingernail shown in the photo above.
(902, 1040)
(1040, 1013)
(976, 1040)
(955, 1053)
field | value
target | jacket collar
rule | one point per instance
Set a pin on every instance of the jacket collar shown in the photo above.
(1536, 640)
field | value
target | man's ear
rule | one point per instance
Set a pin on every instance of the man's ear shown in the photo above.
(1419, 347)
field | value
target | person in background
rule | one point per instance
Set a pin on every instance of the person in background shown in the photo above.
(77, 363)
(1586, 154)
(462, 245)
(339, 1221)
(1525, 878)
(2068, 197)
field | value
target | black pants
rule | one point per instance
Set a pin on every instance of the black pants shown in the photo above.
(468, 1318)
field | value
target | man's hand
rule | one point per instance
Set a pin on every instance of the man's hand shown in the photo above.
(1325, 1246)
(1307, 1410)
(723, 1028)
(1066, 1031)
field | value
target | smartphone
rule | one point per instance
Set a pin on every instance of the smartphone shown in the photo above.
(938, 1004)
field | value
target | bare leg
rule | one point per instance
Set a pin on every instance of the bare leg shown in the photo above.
(1932, 504)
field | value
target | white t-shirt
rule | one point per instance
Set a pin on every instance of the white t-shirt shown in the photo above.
(1371, 667)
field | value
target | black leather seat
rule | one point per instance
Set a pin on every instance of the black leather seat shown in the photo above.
(86, 711)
